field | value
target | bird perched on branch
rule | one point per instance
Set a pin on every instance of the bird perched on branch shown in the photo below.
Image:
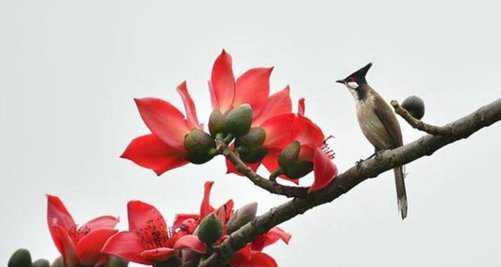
(378, 123)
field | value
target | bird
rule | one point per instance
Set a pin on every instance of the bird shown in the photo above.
(378, 123)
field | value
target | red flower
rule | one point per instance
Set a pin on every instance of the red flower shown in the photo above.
(252, 87)
(274, 121)
(164, 149)
(148, 240)
(309, 150)
(188, 222)
(79, 246)
(249, 256)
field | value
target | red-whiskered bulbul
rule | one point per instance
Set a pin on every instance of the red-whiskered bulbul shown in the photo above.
(378, 123)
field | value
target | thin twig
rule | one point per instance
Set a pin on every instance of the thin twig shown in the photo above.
(266, 184)
(418, 124)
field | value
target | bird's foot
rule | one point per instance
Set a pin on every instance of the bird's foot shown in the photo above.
(358, 163)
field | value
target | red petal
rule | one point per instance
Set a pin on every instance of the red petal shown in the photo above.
(279, 131)
(253, 88)
(257, 259)
(189, 106)
(324, 169)
(307, 132)
(205, 207)
(65, 245)
(225, 211)
(150, 152)
(158, 254)
(190, 242)
(180, 218)
(126, 245)
(223, 82)
(164, 120)
(278, 103)
(270, 238)
(301, 107)
(101, 222)
(142, 215)
(89, 247)
(57, 214)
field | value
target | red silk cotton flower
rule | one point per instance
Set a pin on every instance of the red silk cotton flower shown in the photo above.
(79, 246)
(307, 152)
(249, 256)
(175, 139)
(148, 240)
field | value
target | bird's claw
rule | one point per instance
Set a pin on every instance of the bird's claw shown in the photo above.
(359, 163)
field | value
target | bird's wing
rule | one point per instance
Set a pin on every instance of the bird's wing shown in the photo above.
(389, 120)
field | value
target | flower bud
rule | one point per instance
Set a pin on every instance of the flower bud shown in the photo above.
(415, 106)
(242, 216)
(58, 262)
(116, 262)
(20, 258)
(255, 137)
(216, 122)
(238, 120)
(291, 165)
(210, 229)
(249, 146)
(41, 263)
(200, 146)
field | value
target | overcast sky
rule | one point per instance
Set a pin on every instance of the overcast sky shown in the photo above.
(70, 69)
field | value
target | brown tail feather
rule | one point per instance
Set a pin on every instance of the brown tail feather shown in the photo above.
(401, 193)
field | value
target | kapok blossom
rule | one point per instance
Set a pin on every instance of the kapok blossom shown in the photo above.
(250, 255)
(148, 240)
(79, 246)
(175, 140)
(188, 222)
(307, 152)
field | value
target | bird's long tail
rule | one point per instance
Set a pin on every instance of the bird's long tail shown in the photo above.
(401, 193)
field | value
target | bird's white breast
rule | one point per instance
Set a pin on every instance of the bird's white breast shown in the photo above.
(371, 125)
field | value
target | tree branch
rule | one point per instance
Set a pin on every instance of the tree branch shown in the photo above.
(418, 124)
(266, 184)
(424, 146)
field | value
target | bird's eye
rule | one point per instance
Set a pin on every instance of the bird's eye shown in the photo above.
(352, 84)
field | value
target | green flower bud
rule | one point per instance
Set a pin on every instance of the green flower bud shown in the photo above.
(251, 154)
(249, 146)
(238, 120)
(415, 106)
(242, 216)
(255, 137)
(216, 122)
(116, 262)
(20, 258)
(291, 165)
(41, 263)
(59, 262)
(200, 146)
(210, 229)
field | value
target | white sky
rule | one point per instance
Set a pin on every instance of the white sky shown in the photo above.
(71, 68)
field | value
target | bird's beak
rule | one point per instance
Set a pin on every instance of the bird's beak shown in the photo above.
(340, 81)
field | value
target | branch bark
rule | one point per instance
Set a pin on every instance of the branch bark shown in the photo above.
(424, 146)
(266, 184)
